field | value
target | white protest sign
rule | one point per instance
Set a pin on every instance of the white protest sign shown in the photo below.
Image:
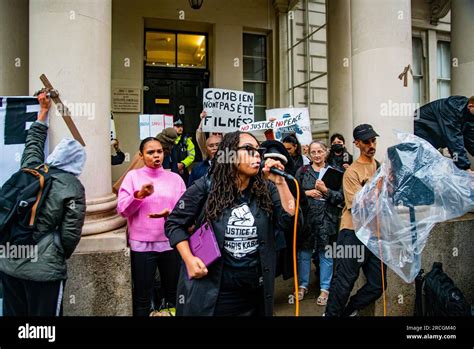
(152, 124)
(302, 128)
(227, 110)
(273, 125)
(17, 114)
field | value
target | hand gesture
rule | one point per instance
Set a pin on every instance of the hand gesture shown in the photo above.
(146, 190)
(163, 214)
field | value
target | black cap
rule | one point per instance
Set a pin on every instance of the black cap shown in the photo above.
(276, 150)
(364, 132)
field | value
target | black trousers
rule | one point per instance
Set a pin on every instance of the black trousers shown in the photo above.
(31, 298)
(347, 273)
(144, 266)
(241, 293)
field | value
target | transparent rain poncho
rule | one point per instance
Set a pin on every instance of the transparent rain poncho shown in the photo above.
(414, 188)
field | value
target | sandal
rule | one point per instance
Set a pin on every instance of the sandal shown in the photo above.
(301, 293)
(323, 298)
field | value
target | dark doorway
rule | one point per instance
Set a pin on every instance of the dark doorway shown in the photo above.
(176, 92)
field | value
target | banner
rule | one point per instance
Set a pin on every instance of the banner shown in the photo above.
(152, 124)
(227, 110)
(274, 124)
(16, 116)
(302, 128)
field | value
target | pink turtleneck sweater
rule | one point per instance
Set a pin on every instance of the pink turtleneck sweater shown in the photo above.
(146, 233)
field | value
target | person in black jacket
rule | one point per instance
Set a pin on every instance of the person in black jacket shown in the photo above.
(449, 123)
(321, 221)
(293, 147)
(245, 211)
(338, 156)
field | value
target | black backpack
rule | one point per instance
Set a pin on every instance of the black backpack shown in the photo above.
(21, 199)
(436, 295)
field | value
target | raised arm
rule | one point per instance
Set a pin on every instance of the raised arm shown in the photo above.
(33, 155)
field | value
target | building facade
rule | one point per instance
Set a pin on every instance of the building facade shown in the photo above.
(340, 58)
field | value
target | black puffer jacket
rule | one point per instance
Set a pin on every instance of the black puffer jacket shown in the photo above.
(321, 217)
(448, 123)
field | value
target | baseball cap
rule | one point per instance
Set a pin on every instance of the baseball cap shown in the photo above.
(364, 132)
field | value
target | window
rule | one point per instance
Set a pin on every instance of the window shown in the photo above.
(255, 71)
(307, 73)
(161, 49)
(418, 69)
(444, 69)
(164, 49)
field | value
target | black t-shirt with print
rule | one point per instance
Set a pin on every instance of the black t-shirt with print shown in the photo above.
(240, 239)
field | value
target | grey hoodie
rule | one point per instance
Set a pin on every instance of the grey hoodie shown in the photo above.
(69, 155)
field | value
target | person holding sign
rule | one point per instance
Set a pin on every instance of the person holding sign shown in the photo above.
(146, 198)
(244, 206)
(323, 187)
(33, 282)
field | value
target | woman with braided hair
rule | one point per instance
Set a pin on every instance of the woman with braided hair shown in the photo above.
(246, 207)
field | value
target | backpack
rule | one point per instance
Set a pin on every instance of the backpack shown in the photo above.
(21, 199)
(436, 295)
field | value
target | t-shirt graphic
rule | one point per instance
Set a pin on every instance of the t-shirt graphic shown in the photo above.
(241, 233)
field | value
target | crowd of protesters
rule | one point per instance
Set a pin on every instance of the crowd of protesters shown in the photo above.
(235, 194)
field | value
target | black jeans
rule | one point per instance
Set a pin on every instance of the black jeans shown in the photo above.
(347, 273)
(144, 266)
(31, 298)
(241, 293)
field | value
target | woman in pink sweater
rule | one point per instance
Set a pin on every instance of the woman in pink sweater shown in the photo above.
(146, 197)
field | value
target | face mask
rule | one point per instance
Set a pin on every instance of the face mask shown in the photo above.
(337, 148)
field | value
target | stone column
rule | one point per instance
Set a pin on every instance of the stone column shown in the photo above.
(228, 60)
(381, 49)
(462, 47)
(70, 42)
(339, 69)
(14, 48)
(281, 63)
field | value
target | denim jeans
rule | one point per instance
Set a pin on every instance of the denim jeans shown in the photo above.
(325, 271)
(304, 267)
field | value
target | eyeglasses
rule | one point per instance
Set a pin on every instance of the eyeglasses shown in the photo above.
(368, 141)
(251, 150)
